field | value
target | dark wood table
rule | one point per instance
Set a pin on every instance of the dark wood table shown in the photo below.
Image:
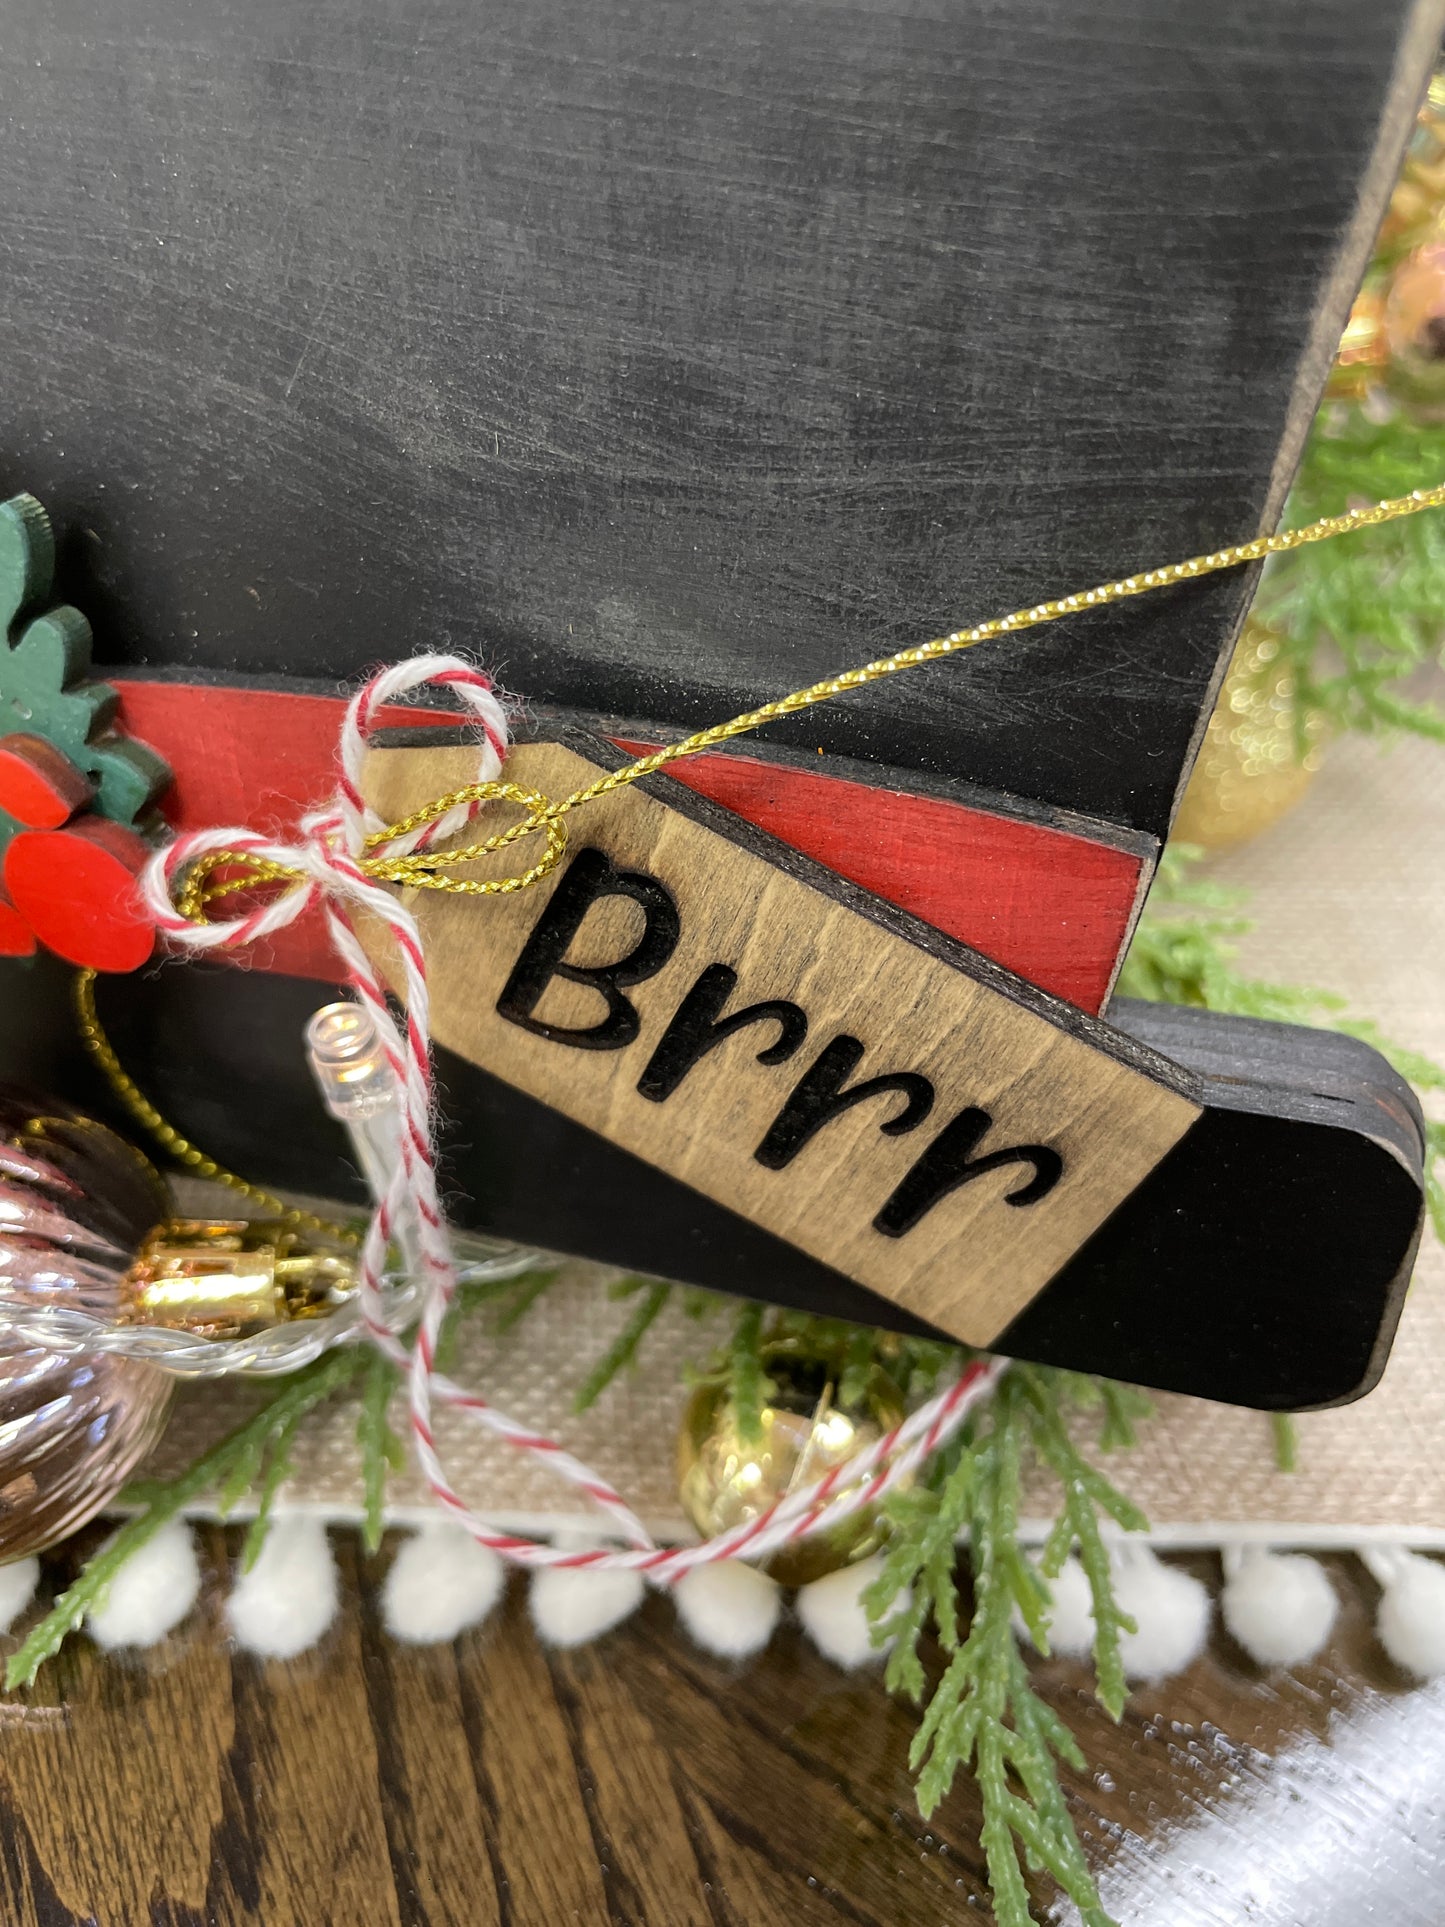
(638, 1781)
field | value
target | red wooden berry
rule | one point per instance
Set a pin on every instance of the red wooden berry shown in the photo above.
(17, 939)
(39, 785)
(76, 890)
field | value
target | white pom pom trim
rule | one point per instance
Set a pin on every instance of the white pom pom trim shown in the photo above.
(729, 1608)
(1070, 1613)
(1279, 1606)
(832, 1615)
(18, 1581)
(440, 1583)
(573, 1605)
(151, 1594)
(1410, 1621)
(1170, 1608)
(283, 1605)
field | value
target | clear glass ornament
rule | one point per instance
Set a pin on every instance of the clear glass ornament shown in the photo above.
(76, 1202)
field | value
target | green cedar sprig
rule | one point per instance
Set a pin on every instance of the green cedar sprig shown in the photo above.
(229, 1469)
(1088, 1497)
(748, 1386)
(274, 1475)
(1356, 617)
(1188, 958)
(652, 1294)
(1285, 1432)
(983, 1712)
(381, 1451)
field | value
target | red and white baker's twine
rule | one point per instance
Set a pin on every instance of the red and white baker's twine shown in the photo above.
(332, 841)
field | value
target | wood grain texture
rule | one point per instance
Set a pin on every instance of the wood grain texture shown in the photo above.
(675, 355)
(639, 1783)
(750, 939)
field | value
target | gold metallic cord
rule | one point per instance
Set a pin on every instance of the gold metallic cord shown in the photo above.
(427, 869)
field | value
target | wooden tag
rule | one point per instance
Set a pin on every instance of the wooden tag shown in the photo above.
(825, 1065)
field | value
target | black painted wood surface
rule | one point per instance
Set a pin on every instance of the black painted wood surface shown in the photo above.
(1263, 1263)
(671, 353)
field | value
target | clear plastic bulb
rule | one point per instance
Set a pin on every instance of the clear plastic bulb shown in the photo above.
(355, 1083)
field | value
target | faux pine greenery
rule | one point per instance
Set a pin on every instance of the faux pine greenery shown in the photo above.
(1356, 619)
(1184, 953)
(983, 1713)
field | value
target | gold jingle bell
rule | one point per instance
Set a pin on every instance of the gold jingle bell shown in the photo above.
(805, 1429)
(1250, 769)
(1363, 356)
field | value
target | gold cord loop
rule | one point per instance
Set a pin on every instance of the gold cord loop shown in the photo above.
(420, 868)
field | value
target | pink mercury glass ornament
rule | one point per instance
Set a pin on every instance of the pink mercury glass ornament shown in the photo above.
(76, 1202)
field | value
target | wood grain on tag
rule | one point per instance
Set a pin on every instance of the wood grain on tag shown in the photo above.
(835, 1071)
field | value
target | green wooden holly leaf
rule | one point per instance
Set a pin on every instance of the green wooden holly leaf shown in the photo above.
(27, 557)
(45, 685)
